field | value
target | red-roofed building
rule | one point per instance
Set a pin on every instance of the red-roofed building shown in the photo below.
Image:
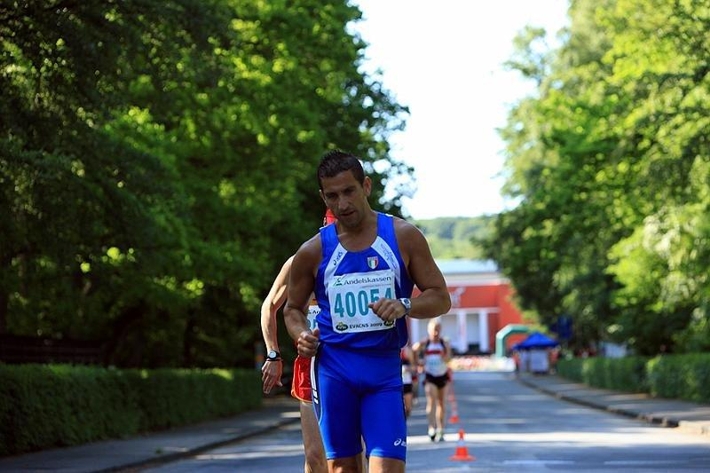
(481, 306)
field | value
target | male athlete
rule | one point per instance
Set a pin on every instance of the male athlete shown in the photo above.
(362, 270)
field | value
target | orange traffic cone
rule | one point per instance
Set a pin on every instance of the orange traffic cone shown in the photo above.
(454, 419)
(461, 450)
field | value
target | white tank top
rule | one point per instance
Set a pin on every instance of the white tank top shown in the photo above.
(435, 358)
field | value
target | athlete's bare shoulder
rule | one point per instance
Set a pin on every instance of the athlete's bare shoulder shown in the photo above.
(309, 254)
(410, 238)
(406, 228)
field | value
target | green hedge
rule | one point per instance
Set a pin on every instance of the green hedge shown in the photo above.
(680, 376)
(670, 376)
(44, 406)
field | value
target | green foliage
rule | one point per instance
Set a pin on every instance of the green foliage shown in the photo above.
(680, 376)
(157, 165)
(609, 163)
(696, 336)
(44, 406)
(56, 406)
(623, 374)
(170, 398)
(456, 237)
(571, 368)
(670, 376)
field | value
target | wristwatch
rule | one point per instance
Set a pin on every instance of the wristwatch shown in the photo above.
(273, 355)
(407, 303)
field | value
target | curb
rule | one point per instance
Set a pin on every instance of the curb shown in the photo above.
(695, 427)
(192, 451)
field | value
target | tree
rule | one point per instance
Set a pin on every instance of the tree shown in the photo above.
(608, 145)
(158, 164)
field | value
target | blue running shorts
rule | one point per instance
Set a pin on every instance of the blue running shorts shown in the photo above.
(358, 395)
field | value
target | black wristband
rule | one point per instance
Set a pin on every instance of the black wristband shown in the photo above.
(273, 355)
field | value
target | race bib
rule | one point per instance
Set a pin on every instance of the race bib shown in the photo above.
(349, 296)
(313, 311)
(435, 365)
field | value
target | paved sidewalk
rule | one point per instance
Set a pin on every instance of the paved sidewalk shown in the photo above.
(133, 453)
(160, 447)
(686, 415)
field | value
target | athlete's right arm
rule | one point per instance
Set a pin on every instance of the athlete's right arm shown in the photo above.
(272, 370)
(415, 358)
(434, 298)
(300, 287)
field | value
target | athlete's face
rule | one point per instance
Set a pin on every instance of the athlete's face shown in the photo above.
(346, 197)
(435, 331)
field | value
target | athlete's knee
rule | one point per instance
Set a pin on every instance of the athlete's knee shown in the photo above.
(315, 461)
(346, 465)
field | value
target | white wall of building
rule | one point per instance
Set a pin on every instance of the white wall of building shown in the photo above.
(461, 327)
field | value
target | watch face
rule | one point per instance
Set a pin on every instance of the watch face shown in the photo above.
(406, 303)
(272, 355)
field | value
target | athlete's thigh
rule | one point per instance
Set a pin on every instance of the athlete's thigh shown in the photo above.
(384, 423)
(440, 395)
(430, 390)
(337, 408)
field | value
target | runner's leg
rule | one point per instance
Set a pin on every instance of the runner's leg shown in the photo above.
(312, 442)
(430, 392)
(440, 395)
(407, 395)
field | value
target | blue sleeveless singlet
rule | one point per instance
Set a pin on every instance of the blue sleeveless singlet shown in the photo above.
(347, 281)
(356, 373)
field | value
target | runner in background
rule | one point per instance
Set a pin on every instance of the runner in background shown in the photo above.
(315, 461)
(409, 368)
(435, 353)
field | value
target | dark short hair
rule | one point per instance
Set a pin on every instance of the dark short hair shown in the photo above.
(336, 161)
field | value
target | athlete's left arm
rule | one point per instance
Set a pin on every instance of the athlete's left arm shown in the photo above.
(448, 353)
(434, 299)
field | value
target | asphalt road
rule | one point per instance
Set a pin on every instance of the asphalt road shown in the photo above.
(507, 427)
